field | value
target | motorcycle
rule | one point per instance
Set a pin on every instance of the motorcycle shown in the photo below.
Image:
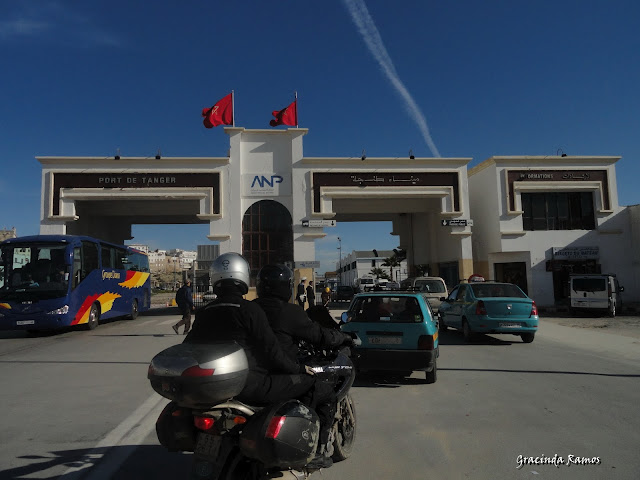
(233, 440)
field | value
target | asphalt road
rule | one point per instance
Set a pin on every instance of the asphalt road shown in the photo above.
(77, 405)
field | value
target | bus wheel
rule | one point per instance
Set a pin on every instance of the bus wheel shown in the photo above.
(94, 316)
(134, 310)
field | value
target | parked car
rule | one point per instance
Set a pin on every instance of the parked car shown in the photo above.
(434, 287)
(490, 307)
(344, 293)
(595, 293)
(398, 331)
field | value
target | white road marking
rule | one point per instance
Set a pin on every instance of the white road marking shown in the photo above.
(129, 434)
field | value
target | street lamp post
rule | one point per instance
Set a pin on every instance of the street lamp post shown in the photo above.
(340, 261)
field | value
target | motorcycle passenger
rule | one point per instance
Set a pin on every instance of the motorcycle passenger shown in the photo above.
(291, 324)
(273, 375)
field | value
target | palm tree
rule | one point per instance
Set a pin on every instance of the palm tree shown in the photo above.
(378, 273)
(391, 262)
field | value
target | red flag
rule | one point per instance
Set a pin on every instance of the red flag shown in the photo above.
(286, 116)
(220, 114)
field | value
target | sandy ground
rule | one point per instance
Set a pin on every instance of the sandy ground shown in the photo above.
(625, 325)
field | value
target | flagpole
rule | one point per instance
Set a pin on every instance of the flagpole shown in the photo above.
(296, 95)
(233, 108)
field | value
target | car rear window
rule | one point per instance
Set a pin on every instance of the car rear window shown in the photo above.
(497, 290)
(430, 286)
(589, 284)
(383, 309)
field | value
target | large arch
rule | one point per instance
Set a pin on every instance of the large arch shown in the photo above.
(267, 235)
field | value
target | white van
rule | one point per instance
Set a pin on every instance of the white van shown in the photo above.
(595, 292)
(433, 287)
(364, 284)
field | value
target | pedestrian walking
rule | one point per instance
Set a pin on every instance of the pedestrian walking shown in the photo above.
(311, 294)
(301, 293)
(184, 299)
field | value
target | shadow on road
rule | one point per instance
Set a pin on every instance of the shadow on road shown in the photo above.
(131, 462)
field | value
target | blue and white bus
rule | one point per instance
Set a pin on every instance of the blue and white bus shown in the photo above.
(49, 282)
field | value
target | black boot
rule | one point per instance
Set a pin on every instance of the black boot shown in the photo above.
(321, 460)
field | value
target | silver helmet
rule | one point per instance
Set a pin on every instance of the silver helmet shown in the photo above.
(230, 266)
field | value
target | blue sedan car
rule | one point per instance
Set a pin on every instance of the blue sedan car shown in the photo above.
(490, 307)
(398, 332)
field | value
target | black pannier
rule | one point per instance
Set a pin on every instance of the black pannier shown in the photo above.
(283, 435)
(199, 375)
(175, 429)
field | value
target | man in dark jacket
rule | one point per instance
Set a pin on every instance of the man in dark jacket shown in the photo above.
(291, 325)
(184, 300)
(301, 292)
(273, 375)
(311, 294)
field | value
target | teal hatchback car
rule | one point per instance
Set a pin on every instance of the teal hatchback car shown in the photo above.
(490, 307)
(397, 330)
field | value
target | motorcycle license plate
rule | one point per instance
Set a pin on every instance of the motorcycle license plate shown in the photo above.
(509, 324)
(208, 445)
(385, 340)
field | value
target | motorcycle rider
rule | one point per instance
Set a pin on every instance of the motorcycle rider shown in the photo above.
(273, 375)
(291, 324)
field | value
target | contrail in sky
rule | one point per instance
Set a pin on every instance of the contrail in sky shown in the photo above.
(371, 36)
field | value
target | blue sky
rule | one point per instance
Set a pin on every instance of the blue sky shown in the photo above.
(459, 78)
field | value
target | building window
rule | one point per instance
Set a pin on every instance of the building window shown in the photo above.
(558, 211)
(267, 235)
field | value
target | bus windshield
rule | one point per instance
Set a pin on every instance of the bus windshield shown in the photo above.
(30, 270)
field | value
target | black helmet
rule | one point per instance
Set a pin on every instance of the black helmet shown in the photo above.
(275, 281)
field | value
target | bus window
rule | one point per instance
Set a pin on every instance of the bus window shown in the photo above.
(107, 256)
(89, 258)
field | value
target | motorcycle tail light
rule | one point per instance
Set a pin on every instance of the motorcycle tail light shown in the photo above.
(203, 423)
(480, 308)
(196, 371)
(425, 342)
(274, 427)
(534, 309)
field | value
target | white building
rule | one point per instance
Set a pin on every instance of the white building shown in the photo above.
(537, 219)
(359, 263)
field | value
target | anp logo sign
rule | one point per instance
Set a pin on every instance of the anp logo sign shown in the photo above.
(266, 185)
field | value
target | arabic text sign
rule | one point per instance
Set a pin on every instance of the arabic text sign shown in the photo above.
(318, 223)
(457, 222)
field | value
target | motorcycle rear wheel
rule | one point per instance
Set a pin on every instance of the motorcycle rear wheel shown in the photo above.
(344, 429)
(239, 467)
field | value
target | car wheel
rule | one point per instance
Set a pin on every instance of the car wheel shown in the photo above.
(94, 317)
(527, 337)
(134, 310)
(432, 376)
(466, 331)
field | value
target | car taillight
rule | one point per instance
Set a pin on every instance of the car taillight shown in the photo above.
(203, 423)
(425, 342)
(196, 371)
(480, 308)
(274, 427)
(534, 309)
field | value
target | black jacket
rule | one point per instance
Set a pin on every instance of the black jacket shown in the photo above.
(291, 324)
(232, 318)
(184, 297)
